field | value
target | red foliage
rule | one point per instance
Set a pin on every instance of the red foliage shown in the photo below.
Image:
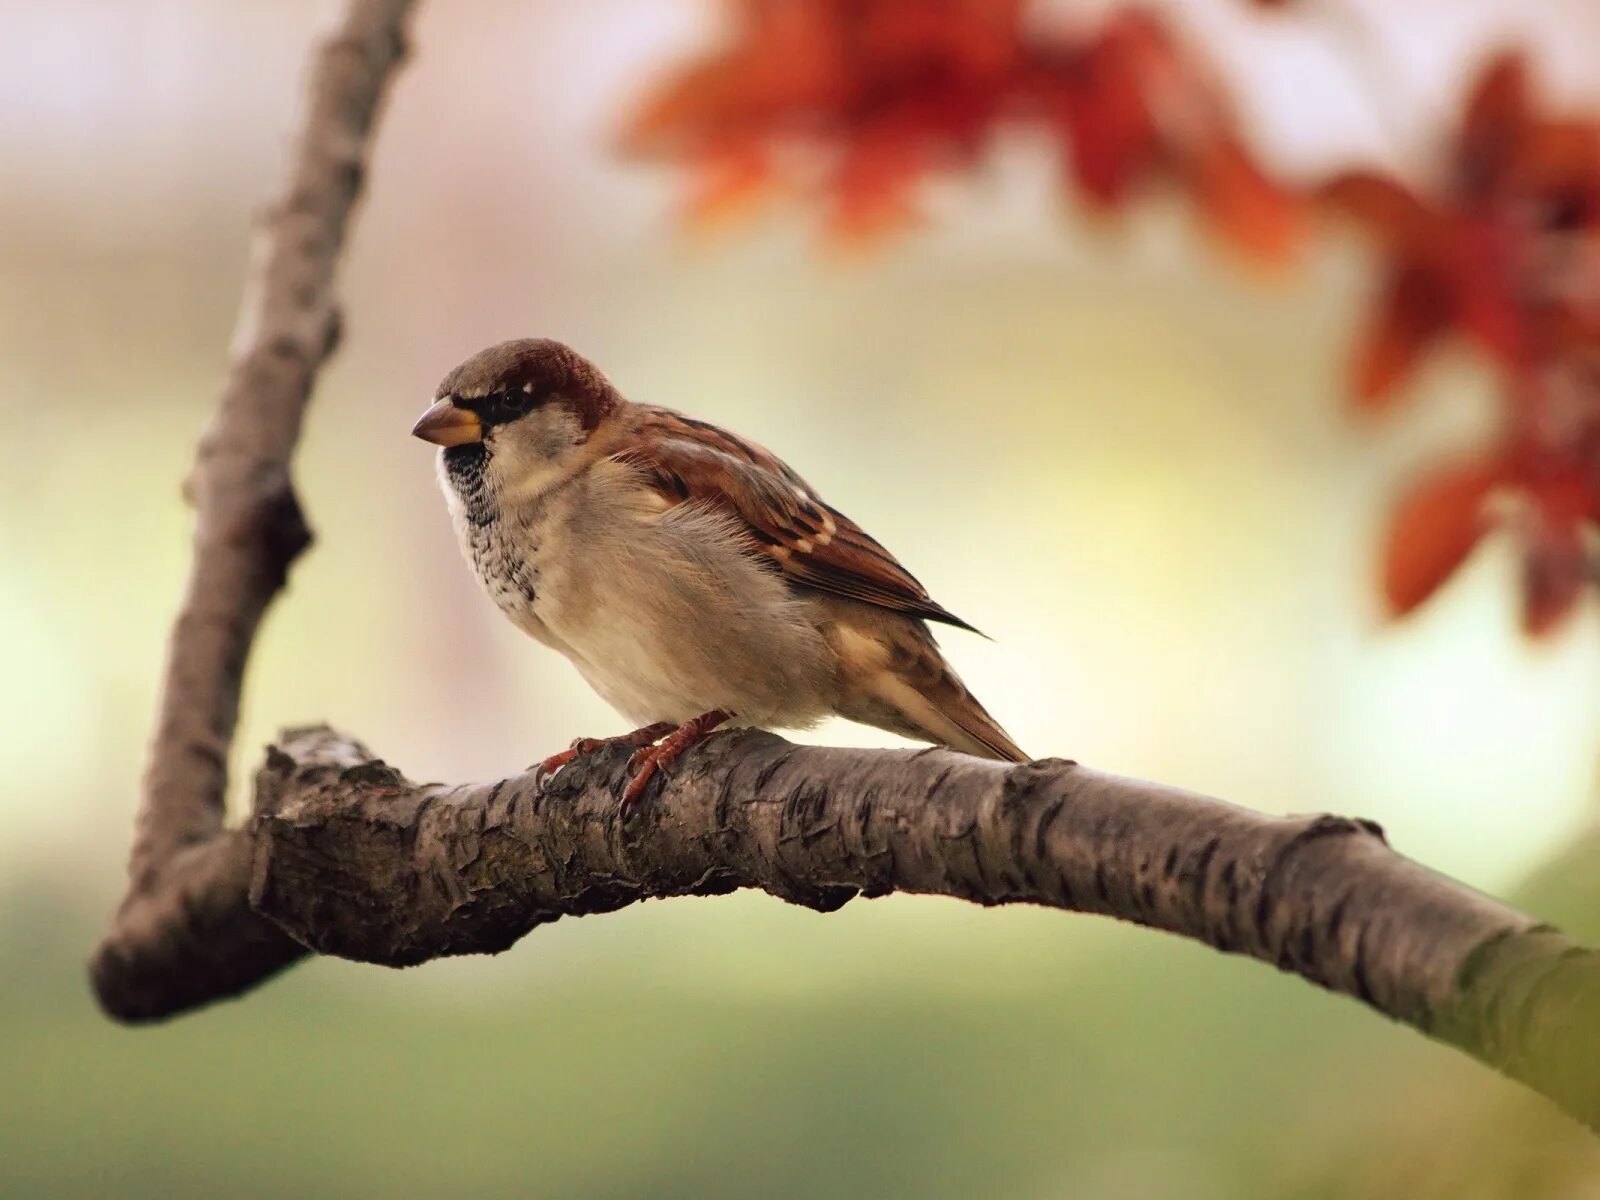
(1434, 530)
(1476, 256)
(1506, 252)
(861, 100)
(1131, 109)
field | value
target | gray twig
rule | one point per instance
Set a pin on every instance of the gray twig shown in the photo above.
(248, 530)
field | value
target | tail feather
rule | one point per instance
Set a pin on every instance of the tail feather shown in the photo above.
(898, 680)
(990, 741)
(979, 733)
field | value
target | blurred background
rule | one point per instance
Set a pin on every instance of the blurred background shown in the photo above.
(1099, 440)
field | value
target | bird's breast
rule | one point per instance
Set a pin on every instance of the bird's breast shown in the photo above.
(667, 614)
(507, 563)
(504, 545)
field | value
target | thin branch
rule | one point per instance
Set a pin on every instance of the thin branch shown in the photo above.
(248, 526)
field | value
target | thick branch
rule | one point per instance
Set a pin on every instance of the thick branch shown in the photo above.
(353, 859)
(248, 526)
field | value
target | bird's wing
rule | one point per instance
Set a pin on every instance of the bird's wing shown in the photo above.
(686, 461)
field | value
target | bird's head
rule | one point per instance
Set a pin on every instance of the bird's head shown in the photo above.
(521, 409)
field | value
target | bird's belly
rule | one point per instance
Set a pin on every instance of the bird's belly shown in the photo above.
(668, 620)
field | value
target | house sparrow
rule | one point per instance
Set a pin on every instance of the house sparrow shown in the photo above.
(690, 576)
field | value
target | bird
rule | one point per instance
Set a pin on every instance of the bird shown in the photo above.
(691, 576)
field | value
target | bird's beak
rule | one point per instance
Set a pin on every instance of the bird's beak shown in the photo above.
(446, 425)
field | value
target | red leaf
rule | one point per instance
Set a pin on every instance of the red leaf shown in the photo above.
(1499, 99)
(1554, 569)
(1485, 287)
(1497, 119)
(873, 186)
(731, 181)
(1412, 316)
(1562, 157)
(1433, 531)
(1105, 123)
(1243, 206)
(1386, 207)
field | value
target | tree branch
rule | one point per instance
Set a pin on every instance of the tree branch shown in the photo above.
(353, 859)
(248, 526)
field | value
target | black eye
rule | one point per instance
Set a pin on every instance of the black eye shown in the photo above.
(507, 405)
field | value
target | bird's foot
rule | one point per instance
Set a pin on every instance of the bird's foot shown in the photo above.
(649, 759)
(582, 746)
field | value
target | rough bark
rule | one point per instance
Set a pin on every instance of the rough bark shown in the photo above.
(248, 529)
(351, 858)
(343, 855)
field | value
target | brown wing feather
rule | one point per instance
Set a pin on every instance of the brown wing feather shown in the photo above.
(810, 542)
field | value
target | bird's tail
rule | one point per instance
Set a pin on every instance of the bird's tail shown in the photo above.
(906, 686)
(968, 727)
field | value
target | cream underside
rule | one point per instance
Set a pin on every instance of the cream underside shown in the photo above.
(665, 613)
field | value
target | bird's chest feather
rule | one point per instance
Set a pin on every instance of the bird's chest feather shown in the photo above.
(576, 567)
(666, 614)
(505, 544)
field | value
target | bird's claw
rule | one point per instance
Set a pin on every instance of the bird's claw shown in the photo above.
(648, 760)
(584, 745)
(642, 768)
(555, 762)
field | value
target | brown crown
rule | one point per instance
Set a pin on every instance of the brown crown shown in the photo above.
(546, 370)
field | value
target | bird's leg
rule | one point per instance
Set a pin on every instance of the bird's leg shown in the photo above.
(647, 760)
(582, 746)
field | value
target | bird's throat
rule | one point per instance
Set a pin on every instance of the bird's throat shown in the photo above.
(466, 467)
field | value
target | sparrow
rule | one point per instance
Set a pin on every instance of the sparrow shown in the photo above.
(690, 576)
